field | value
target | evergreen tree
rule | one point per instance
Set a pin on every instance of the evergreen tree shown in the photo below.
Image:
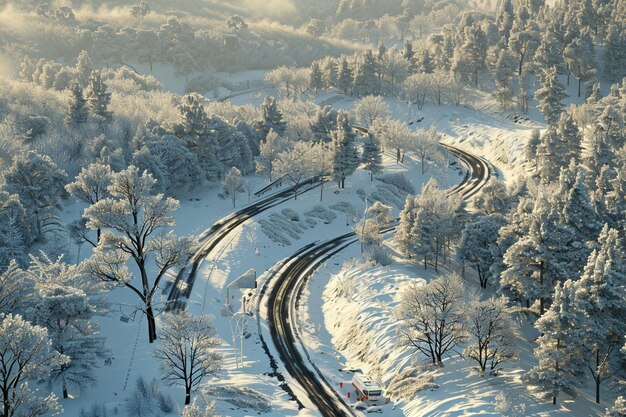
(39, 183)
(365, 78)
(404, 232)
(84, 68)
(372, 156)
(77, 112)
(559, 350)
(600, 298)
(550, 96)
(271, 118)
(570, 139)
(345, 155)
(474, 50)
(579, 212)
(316, 81)
(345, 79)
(532, 147)
(550, 50)
(66, 305)
(548, 163)
(579, 56)
(98, 97)
(477, 244)
(614, 51)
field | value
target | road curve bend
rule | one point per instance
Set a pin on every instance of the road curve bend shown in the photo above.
(283, 288)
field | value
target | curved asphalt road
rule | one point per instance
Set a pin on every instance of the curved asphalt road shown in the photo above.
(282, 299)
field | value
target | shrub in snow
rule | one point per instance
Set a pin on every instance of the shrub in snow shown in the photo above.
(241, 397)
(398, 180)
(194, 410)
(96, 410)
(509, 406)
(378, 254)
(321, 213)
(408, 383)
(347, 208)
(146, 400)
(291, 215)
(618, 410)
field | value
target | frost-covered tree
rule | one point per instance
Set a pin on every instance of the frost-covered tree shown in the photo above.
(505, 67)
(371, 158)
(417, 89)
(570, 138)
(345, 154)
(270, 148)
(472, 53)
(393, 134)
(90, 186)
(550, 96)
(39, 183)
(84, 67)
(478, 242)
(600, 299)
(188, 351)
(365, 78)
(67, 303)
(579, 56)
(368, 230)
(316, 78)
(296, 165)
(523, 43)
(579, 213)
(16, 288)
(99, 97)
(194, 410)
(540, 258)
(178, 164)
(135, 216)
(433, 316)
(371, 108)
(25, 355)
(233, 184)
(560, 366)
(614, 52)
(77, 111)
(345, 78)
(404, 232)
(271, 119)
(15, 236)
(426, 145)
(493, 331)
(618, 409)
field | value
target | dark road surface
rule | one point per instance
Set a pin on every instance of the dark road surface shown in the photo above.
(288, 282)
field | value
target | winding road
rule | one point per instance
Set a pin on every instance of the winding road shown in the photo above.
(284, 287)
(181, 289)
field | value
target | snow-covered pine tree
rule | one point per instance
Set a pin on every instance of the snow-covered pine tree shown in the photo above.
(345, 79)
(477, 244)
(404, 232)
(614, 51)
(67, 303)
(550, 96)
(25, 355)
(579, 56)
(316, 80)
(39, 183)
(600, 298)
(98, 97)
(271, 118)
(532, 147)
(559, 351)
(578, 211)
(570, 139)
(77, 111)
(345, 154)
(15, 235)
(371, 157)
(84, 67)
(365, 78)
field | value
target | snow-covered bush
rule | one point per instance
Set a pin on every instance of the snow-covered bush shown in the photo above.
(146, 400)
(240, 397)
(96, 410)
(398, 180)
(378, 254)
(321, 213)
